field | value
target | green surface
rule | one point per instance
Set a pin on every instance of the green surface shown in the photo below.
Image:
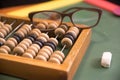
(105, 37)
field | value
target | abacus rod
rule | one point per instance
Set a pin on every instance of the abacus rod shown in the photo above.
(31, 25)
(12, 22)
(47, 32)
(56, 36)
(63, 48)
(14, 30)
(4, 21)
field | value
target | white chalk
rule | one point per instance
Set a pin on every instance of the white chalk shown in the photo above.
(106, 59)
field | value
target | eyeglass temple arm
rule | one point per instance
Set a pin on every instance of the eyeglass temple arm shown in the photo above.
(74, 8)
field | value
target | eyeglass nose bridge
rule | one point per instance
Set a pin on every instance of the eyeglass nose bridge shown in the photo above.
(67, 15)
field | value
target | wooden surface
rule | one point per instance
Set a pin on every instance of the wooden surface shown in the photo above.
(10, 9)
(23, 10)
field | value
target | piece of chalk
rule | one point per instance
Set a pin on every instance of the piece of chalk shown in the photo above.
(106, 59)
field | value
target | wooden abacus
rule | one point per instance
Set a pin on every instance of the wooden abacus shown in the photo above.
(34, 69)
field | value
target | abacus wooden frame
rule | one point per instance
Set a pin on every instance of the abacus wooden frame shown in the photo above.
(31, 69)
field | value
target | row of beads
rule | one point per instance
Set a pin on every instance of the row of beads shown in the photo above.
(49, 47)
(26, 42)
(38, 45)
(41, 52)
(19, 35)
(13, 41)
(32, 50)
(46, 25)
(68, 40)
(46, 52)
(5, 29)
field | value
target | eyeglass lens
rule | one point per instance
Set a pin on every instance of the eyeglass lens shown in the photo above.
(49, 16)
(85, 17)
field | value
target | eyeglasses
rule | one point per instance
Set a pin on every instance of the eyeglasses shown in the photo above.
(79, 16)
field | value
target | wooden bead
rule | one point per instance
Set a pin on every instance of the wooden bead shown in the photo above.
(37, 30)
(40, 44)
(28, 41)
(3, 50)
(2, 35)
(60, 32)
(44, 35)
(52, 45)
(27, 27)
(36, 46)
(48, 48)
(42, 38)
(35, 33)
(19, 36)
(1, 43)
(66, 41)
(23, 30)
(6, 29)
(20, 33)
(75, 29)
(23, 46)
(31, 38)
(70, 37)
(10, 44)
(9, 26)
(27, 55)
(54, 40)
(3, 31)
(52, 26)
(54, 23)
(14, 40)
(6, 48)
(57, 56)
(18, 50)
(1, 24)
(72, 33)
(30, 51)
(45, 50)
(2, 40)
(40, 57)
(59, 53)
(43, 54)
(54, 60)
(40, 26)
(34, 49)
(64, 26)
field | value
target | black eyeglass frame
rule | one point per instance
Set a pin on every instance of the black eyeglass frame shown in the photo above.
(64, 13)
